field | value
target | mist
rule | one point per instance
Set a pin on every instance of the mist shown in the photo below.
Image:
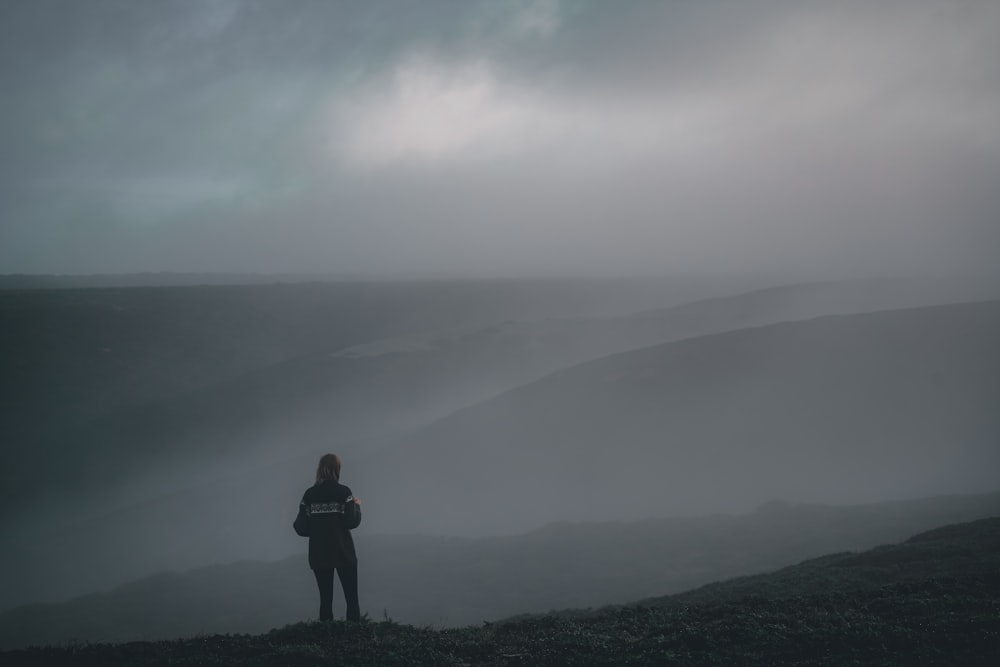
(195, 450)
(532, 268)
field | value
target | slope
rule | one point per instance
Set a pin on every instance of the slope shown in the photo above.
(837, 409)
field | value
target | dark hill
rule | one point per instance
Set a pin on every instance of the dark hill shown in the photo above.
(70, 357)
(971, 549)
(942, 613)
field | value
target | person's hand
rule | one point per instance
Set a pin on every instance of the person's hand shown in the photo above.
(357, 501)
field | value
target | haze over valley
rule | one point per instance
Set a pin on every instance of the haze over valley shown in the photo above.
(716, 405)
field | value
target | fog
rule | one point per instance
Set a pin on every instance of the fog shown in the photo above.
(499, 139)
(519, 263)
(198, 450)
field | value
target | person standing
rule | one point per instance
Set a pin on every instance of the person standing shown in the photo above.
(327, 515)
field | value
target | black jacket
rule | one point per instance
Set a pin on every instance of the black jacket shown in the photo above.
(327, 514)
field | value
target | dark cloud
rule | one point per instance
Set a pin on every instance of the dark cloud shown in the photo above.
(512, 137)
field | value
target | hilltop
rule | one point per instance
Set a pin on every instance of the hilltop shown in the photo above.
(929, 600)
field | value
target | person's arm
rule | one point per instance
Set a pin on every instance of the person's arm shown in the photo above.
(301, 524)
(352, 513)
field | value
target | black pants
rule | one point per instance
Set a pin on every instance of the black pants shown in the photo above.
(348, 581)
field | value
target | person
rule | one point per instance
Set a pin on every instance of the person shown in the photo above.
(327, 515)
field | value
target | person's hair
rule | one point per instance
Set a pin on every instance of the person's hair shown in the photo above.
(328, 468)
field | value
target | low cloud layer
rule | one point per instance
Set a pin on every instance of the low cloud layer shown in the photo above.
(510, 138)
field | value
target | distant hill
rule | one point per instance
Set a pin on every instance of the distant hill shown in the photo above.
(208, 390)
(221, 370)
(93, 371)
(929, 600)
(92, 351)
(452, 581)
(23, 281)
(861, 407)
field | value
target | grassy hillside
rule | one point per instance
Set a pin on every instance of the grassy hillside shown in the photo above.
(451, 581)
(835, 409)
(930, 600)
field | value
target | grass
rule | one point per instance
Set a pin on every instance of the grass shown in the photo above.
(942, 621)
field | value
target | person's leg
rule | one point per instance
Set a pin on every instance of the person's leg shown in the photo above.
(349, 582)
(324, 579)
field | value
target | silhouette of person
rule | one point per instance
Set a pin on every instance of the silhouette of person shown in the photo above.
(327, 514)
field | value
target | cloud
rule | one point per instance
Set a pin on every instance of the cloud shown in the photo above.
(397, 135)
(538, 18)
(432, 112)
(814, 76)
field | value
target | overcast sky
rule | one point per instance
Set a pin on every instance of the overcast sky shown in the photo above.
(522, 137)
